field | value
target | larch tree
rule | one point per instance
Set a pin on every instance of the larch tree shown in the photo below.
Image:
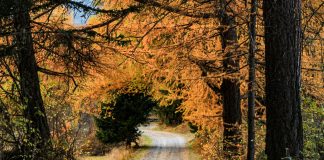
(284, 135)
(37, 130)
(230, 87)
(37, 41)
(252, 80)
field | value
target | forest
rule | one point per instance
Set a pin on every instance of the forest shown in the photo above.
(161, 79)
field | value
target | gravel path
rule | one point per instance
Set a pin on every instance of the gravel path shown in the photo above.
(165, 146)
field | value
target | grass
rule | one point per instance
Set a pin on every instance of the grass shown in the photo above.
(193, 151)
(145, 141)
(119, 153)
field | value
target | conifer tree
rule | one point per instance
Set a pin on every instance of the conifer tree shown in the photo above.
(36, 37)
(119, 120)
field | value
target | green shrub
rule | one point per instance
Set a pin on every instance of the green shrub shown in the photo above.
(313, 123)
(120, 118)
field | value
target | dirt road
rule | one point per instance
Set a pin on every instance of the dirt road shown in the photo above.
(165, 146)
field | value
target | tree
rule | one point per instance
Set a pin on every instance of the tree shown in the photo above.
(170, 114)
(37, 130)
(230, 87)
(36, 41)
(251, 85)
(232, 117)
(120, 118)
(284, 135)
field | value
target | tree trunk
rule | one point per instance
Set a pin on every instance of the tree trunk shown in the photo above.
(37, 129)
(251, 85)
(230, 86)
(231, 116)
(283, 50)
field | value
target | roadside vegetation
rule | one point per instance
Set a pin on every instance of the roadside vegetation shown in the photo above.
(123, 153)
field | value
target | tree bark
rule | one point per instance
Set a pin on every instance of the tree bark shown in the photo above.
(284, 136)
(251, 85)
(37, 128)
(230, 87)
(231, 117)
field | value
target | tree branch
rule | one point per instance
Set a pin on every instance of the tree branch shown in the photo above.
(177, 10)
(54, 73)
(6, 51)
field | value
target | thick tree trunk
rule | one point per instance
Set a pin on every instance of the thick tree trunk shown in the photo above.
(284, 135)
(37, 129)
(230, 86)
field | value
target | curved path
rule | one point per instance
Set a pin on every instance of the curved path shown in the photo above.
(165, 146)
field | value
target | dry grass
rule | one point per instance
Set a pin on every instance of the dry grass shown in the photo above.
(119, 153)
(142, 151)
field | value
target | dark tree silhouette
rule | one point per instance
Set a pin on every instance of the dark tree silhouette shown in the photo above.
(251, 85)
(119, 119)
(230, 89)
